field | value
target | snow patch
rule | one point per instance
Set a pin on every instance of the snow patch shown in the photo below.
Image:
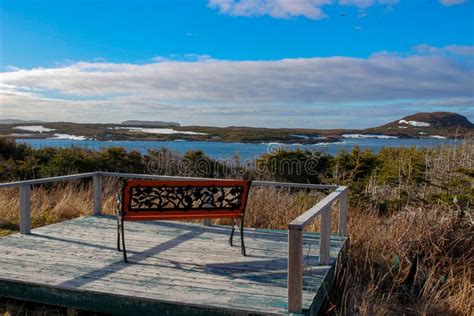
(328, 143)
(166, 131)
(34, 128)
(67, 136)
(368, 136)
(306, 137)
(403, 127)
(414, 123)
(438, 137)
(300, 136)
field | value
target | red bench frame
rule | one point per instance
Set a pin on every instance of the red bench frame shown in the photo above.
(126, 212)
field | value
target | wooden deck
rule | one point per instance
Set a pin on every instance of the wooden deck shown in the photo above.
(176, 268)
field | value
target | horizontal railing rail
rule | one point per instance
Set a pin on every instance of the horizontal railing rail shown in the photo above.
(47, 180)
(295, 229)
(254, 183)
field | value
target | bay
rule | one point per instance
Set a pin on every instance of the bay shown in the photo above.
(246, 151)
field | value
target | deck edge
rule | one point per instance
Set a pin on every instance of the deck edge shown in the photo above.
(94, 301)
(321, 296)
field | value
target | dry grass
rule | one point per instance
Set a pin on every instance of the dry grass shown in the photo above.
(418, 260)
(373, 283)
(379, 274)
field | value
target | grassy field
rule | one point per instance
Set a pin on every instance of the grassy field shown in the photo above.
(411, 230)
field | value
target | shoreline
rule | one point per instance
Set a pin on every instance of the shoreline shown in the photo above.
(269, 141)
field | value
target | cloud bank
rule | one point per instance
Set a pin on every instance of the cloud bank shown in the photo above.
(194, 91)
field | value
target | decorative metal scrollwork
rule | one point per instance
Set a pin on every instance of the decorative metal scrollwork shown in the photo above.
(165, 198)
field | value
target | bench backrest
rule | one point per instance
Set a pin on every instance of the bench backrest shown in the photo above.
(176, 199)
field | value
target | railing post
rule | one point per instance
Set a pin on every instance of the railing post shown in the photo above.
(325, 242)
(295, 270)
(97, 186)
(25, 219)
(343, 202)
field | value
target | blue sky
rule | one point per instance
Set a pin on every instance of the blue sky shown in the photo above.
(276, 63)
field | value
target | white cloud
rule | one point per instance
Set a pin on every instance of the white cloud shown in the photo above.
(275, 8)
(284, 9)
(451, 2)
(366, 3)
(460, 50)
(459, 53)
(239, 92)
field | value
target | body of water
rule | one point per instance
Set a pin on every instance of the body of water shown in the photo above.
(229, 150)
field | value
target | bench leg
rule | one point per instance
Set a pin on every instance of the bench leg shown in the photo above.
(123, 243)
(118, 234)
(231, 238)
(242, 245)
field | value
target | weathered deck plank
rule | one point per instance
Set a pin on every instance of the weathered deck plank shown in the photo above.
(175, 267)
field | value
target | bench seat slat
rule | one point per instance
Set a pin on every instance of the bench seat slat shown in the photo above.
(167, 216)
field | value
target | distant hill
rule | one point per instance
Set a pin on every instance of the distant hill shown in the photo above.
(13, 121)
(150, 123)
(433, 120)
(426, 124)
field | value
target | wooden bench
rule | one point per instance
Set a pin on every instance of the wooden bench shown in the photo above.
(147, 200)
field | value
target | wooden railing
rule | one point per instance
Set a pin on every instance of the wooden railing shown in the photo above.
(295, 229)
(295, 242)
(25, 192)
